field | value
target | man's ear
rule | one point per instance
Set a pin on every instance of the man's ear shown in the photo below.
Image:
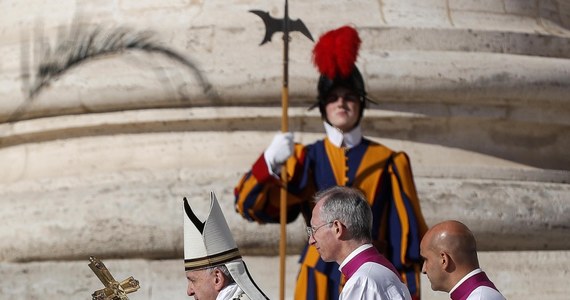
(447, 263)
(219, 280)
(339, 229)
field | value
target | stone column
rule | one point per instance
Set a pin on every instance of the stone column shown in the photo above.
(96, 158)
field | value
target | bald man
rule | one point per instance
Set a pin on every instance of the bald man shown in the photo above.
(451, 264)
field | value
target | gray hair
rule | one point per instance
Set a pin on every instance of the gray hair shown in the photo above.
(223, 269)
(349, 206)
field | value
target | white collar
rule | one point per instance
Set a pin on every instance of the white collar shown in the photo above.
(231, 291)
(476, 271)
(354, 253)
(337, 137)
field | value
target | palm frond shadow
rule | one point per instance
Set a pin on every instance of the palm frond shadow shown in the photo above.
(82, 43)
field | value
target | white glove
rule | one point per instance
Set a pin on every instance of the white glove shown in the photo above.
(279, 150)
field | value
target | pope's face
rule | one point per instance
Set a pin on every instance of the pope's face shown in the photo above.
(342, 108)
(202, 284)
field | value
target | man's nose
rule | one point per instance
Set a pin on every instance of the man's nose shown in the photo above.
(312, 240)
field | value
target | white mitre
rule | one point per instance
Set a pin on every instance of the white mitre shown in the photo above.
(210, 243)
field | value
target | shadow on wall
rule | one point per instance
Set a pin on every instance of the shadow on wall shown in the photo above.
(82, 43)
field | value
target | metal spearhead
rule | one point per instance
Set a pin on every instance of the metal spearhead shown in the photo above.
(285, 25)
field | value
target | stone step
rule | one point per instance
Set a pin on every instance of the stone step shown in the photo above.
(466, 133)
(138, 214)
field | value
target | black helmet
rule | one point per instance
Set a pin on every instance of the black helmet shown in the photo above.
(353, 82)
(335, 56)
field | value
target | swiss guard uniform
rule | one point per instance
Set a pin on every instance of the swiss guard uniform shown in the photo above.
(345, 159)
(209, 244)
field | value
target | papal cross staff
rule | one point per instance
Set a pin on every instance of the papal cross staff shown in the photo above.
(113, 290)
(285, 25)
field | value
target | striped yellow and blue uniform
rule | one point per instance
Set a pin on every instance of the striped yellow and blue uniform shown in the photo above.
(385, 178)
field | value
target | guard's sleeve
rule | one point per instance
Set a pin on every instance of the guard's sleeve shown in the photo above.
(406, 223)
(404, 170)
(257, 194)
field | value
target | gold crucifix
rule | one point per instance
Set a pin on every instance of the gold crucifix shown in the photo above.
(113, 290)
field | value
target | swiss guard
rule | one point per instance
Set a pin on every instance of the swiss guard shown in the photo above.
(343, 157)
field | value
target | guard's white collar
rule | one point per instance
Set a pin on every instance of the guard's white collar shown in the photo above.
(337, 137)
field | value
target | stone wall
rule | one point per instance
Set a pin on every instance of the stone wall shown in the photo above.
(96, 159)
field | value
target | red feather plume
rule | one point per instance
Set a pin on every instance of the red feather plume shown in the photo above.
(336, 51)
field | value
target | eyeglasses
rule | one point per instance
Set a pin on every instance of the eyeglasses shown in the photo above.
(311, 230)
